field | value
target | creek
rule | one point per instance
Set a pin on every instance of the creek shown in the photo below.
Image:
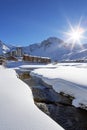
(56, 105)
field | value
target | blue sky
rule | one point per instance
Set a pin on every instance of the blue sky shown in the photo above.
(23, 22)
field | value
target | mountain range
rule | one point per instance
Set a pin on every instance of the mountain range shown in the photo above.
(52, 47)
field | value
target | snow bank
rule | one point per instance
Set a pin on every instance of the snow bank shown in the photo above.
(17, 109)
(68, 78)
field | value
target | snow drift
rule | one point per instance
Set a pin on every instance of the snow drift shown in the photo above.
(17, 109)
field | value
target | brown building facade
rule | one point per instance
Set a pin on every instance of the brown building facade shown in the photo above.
(2, 60)
(36, 59)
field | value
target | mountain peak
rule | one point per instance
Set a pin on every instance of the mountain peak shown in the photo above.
(56, 49)
(53, 40)
(3, 48)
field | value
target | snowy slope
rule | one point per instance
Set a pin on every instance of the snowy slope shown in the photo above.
(17, 109)
(79, 54)
(56, 49)
(3, 48)
(52, 47)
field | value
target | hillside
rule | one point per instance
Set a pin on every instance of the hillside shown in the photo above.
(56, 49)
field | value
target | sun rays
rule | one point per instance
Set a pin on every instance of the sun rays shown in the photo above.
(75, 35)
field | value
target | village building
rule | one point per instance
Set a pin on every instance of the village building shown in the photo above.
(15, 52)
(2, 60)
(36, 59)
(12, 58)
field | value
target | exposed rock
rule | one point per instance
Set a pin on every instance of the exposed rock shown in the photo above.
(46, 94)
(67, 116)
(57, 106)
(25, 75)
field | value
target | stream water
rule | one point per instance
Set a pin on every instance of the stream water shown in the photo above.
(55, 105)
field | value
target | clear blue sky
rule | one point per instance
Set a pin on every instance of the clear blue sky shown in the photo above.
(24, 22)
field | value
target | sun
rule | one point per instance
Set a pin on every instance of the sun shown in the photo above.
(75, 35)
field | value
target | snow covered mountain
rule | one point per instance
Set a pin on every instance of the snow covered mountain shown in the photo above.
(3, 48)
(54, 48)
(57, 49)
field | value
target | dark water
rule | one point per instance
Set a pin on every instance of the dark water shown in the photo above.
(57, 106)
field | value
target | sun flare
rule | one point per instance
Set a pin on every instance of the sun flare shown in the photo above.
(75, 35)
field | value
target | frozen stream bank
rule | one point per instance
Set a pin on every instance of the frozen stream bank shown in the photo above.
(57, 106)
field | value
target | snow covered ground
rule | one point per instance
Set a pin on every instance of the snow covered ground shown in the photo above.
(69, 78)
(17, 109)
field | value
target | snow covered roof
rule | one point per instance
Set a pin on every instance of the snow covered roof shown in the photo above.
(36, 56)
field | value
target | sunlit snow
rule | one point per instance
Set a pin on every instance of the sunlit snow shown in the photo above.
(70, 78)
(17, 109)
